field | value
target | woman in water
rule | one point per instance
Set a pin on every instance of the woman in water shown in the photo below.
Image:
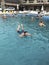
(22, 33)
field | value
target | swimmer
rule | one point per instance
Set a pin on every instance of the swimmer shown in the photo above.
(22, 32)
(32, 19)
(4, 16)
(41, 24)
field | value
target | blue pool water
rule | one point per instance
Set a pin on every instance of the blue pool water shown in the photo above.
(24, 51)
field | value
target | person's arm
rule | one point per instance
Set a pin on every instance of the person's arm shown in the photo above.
(28, 34)
(44, 24)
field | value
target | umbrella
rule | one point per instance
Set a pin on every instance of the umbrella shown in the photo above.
(0, 9)
(42, 8)
(17, 6)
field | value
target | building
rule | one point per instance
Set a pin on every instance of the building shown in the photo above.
(35, 4)
(26, 4)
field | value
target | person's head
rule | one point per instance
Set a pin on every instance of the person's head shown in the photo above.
(41, 22)
(25, 33)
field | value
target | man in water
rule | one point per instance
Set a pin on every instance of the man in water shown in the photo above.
(41, 24)
(22, 32)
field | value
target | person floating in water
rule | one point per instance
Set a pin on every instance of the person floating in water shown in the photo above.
(41, 24)
(22, 32)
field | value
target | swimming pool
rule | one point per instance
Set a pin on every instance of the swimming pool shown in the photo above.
(24, 51)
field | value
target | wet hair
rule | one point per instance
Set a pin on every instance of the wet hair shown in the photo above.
(41, 21)
(25, 33)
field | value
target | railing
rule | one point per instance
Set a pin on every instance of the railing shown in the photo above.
(24, 1)
(31, 1)
(28, 2)
(11, 4)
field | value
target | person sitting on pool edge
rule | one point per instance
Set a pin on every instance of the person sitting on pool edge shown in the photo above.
(22, 32)
(41, 24)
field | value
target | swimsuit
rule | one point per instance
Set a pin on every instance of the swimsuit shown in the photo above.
(22, 31)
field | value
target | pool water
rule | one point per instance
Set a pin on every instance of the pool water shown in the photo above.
(27, 50)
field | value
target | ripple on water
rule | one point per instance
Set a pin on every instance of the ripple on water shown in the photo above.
(23, 51)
